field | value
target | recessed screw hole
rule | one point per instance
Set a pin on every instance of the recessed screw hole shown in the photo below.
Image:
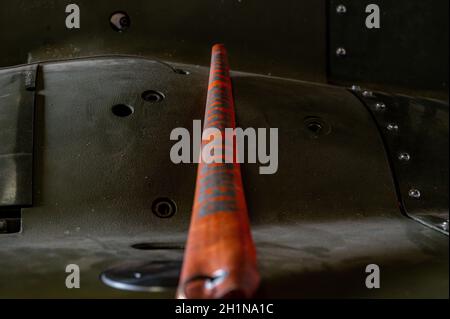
(122, 110)
(164, 207)
(152, 96)
(120, 21)
(314, 127)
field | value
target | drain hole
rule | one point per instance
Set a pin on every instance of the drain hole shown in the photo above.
(152, 96)
(157, 246)
(122, 110)
(164, 207)
(120, 21)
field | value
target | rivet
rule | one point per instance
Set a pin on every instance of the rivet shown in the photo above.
(404, 157)
(392, 127)
(341, 52)
(341, 9)
(380, 106)
(414, 193)
(367, 93)
(355, 88)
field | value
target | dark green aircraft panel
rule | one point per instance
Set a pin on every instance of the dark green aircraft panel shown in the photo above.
(282, 38)
(329, 211)
(408, 50)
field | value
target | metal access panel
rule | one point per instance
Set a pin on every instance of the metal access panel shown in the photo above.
(283, 38)
(415, 131)
(16, 135)
(409, 50)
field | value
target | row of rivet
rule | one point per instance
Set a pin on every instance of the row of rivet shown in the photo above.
(341, 9)
(392, 127)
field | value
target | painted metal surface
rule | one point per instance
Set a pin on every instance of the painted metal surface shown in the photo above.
(409, 50)
(171, 30)
(416, 135)
(290, 38)
(318, 234)
(17, 100)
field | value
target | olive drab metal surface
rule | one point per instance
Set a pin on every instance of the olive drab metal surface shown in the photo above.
(16, 135)
(93, 205)
(290, 38)
(98, 173)
(415, 131)
(407, 47)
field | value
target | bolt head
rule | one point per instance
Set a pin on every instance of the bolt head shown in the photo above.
(404, 156)
(341, 52)
(414, 193)
(392, 127)
(341, 9)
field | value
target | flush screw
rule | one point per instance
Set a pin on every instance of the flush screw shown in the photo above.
(341, 9)
(414, 193)
(404, 157)
(341, 52)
